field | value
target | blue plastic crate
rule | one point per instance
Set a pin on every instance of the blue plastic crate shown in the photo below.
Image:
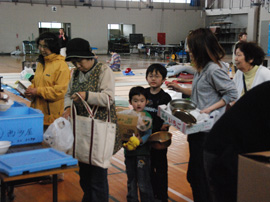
(18, 104)
(21, 125)
(34, 161)
(17, 108)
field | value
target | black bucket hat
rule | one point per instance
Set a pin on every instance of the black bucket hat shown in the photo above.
(78, 48)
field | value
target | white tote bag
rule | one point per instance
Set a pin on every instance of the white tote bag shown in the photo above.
(93, 138)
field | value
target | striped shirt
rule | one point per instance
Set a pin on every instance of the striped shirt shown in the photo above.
(115, 59)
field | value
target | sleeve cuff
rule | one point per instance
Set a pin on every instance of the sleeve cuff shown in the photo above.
(66, 107)
(226, 99)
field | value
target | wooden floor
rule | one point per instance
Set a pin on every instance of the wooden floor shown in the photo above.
(69, 190)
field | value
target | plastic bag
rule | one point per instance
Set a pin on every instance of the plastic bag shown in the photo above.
(144, 122)
(59, 135)
(27, 73)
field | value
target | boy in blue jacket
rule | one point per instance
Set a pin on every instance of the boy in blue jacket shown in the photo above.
(138, 160)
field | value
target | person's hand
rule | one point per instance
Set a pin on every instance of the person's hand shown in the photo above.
(173, 86)
(207, 111)
(232, 103)
(30, 92)
(139, 137)
(164, 127)
(76, 98)
(66, 113)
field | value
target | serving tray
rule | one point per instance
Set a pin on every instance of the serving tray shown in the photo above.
(33, 161)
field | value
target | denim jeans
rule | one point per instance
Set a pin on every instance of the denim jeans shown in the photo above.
(115, 67)
(94, 183)
(138, 173)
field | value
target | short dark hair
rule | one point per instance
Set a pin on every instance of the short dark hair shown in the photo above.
(62, 29)
(252, 51)
(156, 67)
(204, 47)
(241, 34)
(51, 40)
(112, 50)
(137, 90)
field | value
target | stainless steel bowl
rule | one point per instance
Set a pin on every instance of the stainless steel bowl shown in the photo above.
(182, 104)
(160, 139)
(181, 107)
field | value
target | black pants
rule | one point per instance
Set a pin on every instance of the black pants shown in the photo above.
(221, 171)
(159, 174)
(94, 183)
(196, 174)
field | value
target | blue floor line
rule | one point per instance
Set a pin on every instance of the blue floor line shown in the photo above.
(180, 163)
(171, 199)
(114, 199)
(116, 173)
(121, 170)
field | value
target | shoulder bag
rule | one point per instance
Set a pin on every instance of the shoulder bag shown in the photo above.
(93, 138)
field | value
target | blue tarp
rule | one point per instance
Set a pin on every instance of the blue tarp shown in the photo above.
(194, 3)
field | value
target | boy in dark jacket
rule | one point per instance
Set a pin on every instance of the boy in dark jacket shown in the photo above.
(155, 76)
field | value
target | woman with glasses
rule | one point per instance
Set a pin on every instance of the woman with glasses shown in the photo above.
(50, 82)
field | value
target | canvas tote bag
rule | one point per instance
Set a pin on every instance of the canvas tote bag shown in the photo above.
(93, 138)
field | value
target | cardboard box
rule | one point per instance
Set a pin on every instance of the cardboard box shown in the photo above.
(127, 125)
(166, 115)
(254, 177)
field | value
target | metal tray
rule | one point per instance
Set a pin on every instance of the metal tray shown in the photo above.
(182, 104)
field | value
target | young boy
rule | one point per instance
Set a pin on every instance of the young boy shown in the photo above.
(138, 161)
(115, 61)
(155, 76)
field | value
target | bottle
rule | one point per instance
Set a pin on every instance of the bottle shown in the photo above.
(185, 57)
(230, 71)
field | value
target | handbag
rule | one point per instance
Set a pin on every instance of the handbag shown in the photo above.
(93, 138)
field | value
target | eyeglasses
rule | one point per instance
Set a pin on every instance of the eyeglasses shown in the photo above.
(154, 76)
(43, 46)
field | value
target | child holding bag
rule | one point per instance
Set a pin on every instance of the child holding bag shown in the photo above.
(137, 159)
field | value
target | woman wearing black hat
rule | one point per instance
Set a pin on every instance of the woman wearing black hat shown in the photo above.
(95, 84)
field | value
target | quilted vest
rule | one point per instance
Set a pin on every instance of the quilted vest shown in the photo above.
(92, 85)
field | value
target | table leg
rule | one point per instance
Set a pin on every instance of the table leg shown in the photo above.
(55, 188)
(3, 191)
